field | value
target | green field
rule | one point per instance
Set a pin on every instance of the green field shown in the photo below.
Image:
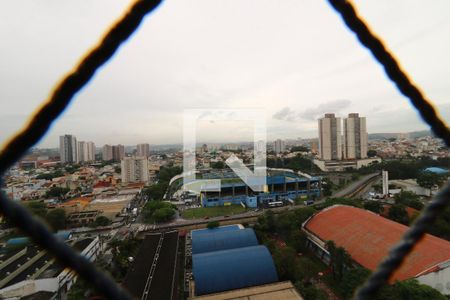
(217, 211)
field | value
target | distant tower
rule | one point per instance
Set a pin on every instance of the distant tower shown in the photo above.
(330, 145)
(355, 137)
(134, 169)
(279, 146)
(143, 150)
(385, 176)
(68, 148)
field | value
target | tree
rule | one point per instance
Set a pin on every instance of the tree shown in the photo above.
(429, 180)
(37, 208)
(56, 192)
(413, 290)
(56, 218)
(398, 213)
(158, 211)
(213, 224)
(408, 198)
(218, 165)
(156, 191)
(374, 206)
(371, 153)
(101, 221)
(284, 260)
(352, 279)
(339, 259)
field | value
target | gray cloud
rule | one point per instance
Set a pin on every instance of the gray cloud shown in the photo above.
(335, 106)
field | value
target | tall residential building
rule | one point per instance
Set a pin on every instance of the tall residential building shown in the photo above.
(143, 150)
(115, 153)
(330, 145)
(134, 169)
(86, 151)
(68, 148)
(355, 137)
(279, 146)
(107, 153)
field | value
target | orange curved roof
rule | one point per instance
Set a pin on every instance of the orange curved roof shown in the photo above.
(367, 237)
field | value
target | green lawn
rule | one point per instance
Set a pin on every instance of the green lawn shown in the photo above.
(202, 212)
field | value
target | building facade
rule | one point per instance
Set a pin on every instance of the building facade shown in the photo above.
(143, 150)
(330, 144)
(279, 146)
(68, 150)
(134, 169)
(86, 151)
(355, 137)
(115, 153)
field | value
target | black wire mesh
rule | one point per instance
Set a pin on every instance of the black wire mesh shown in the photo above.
(74, 82)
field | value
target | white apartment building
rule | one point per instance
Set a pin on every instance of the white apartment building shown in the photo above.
(143, 150)
(68, 150)
(330, 144)
(279, 146)
(86, 151)
(134, 169)
(355, 137)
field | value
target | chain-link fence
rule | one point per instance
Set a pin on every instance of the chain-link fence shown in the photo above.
(120, 32)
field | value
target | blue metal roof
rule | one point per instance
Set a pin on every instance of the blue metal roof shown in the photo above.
(198, 232)
(63, 235)
(436, 170)
(232, 269)
(224, 240)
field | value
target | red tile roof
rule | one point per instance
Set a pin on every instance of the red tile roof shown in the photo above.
(367, 237)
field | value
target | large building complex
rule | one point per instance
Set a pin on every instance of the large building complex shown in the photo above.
(368, 237)
(282, 185)
(114, 153)
(143, 150)
(86, 151)
(355, 137)
(330, 144)
(134, 169)
(68, 149)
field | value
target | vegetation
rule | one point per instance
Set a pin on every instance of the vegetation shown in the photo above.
(398, 213)
(218, 165)
(299, 149)
(158, 212)
(210, 212)
(37, 208)
(57, 192)
(297, 163)
(430, 180)
(157, 190)
(374, 206)
(50, 176)
(409, 199)
(122, 250)
(213, 224)
(101, 221)
(56, 218)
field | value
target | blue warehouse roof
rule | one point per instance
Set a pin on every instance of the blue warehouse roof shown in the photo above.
(436, 170)
(232, 269)
(223, 240)
(198, 232)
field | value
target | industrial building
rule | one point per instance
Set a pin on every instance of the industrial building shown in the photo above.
(27, 270)
(283, 185)
(367, 237)
(228, 263)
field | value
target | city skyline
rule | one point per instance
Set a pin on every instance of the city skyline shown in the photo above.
(285, 66)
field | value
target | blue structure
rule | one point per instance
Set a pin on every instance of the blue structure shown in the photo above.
(281, 186)
(223, 240)
(232, 269)
(62, 235)
(436, 170)
(207, 231)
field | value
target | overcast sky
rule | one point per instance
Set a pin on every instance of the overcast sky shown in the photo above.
(295, 59)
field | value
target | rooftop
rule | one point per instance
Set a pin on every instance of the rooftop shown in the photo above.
(368, 237)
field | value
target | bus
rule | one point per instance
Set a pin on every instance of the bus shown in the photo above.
(275, 204)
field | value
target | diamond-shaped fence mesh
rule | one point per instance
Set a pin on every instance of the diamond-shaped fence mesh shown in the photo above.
(120, 32)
